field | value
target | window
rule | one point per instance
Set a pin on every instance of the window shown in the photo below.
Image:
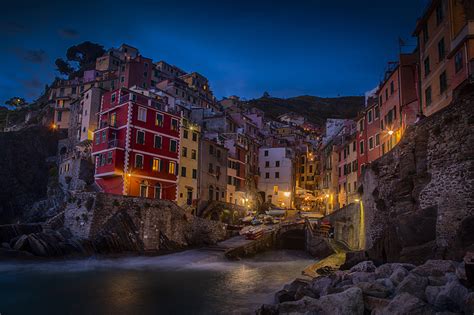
(371, 143)
(158, 191)
(427, 66)
(109, 157)
(439, 14)
(140, 137)
(157, 142)
(354, 146)
(266, 153)
(159, 120)
(193, 154)
(183, 171)
(156, 165)
(377, 139)
(277, 174)
(172, 167)
(376, 112)
(277, 163)
(369, 116)
(211, 168)
(194, 173)
(139, 161)
(361, 125)
(97, 138)
(59, 116)
(113, 120)
(392, 88)
(267, 175)
(386, 94)
(211, 192)
(142, 114)
(104, 135)
(195, 136)
(173, 146)
(267, 163)
(361, 147)
(458, 62)
(443, 82)
(185, 134)
(275, 190)
(428, 96)
(211, 150)
(112, 98)
(218, 153)
(143, 191)
(174, 124)
(184, 153)
(441, 50)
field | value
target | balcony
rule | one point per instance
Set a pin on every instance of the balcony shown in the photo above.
(113, 144)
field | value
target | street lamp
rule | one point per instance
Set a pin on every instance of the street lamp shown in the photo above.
(287, 194)
(390, 132)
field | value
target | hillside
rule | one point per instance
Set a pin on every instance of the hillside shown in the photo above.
(315, 109)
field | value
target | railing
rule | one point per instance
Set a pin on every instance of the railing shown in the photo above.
(113, 143)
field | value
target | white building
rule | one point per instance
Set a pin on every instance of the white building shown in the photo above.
(277, 177)
(90, 104)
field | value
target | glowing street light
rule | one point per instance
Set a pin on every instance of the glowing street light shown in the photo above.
(287, 194)
(390, 132)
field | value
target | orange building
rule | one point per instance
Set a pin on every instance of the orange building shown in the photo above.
(446, 41)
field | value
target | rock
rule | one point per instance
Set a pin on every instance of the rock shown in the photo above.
(267, 309)
(451, 297)
(435, 268)
(38, 248)
(437, 280)
(14, 254)
(320, 285)
(365, 266)
(326, 270)
(372, 303)
(360, 276)
(374, 289)
(6, 245)
(414, 285)
(384, 271)
(387, 283)
(461, 271)
(405, 303)
(20, 243)
(469, 303)
(319, 247)
(398, 275)
(431, 293)
(284, 296)
(304, 305)
(353, 258)
(304, 291)
(348, 302)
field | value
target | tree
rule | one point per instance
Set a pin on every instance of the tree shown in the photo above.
(16, 102)
(266, 94)
(79, 58)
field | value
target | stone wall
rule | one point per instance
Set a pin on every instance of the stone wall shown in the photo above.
(348, 227)
(128, 223)
(419, 198)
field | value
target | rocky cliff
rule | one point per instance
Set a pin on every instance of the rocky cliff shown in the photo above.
(25, 170)
(419, 198)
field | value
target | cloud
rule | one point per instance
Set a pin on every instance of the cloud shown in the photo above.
(68, 33)
(35, 56)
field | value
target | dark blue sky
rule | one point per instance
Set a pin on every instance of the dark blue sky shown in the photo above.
(288, 48)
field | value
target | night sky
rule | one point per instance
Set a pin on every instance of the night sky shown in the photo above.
(288, 48)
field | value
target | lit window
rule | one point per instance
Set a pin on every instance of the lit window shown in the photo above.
(174, 124)
(156, 164)
(112, 99)
(172, 167)
(275, 190)
(142, 114)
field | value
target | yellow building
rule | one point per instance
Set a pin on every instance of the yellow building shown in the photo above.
(188, 172)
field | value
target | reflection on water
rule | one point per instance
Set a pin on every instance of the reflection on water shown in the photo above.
(191, 282)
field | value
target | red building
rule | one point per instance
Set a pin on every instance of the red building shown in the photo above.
(136, 146)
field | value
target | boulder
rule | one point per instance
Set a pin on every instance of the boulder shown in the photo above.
(461, 271)
(267, 309)
(405, 303)
(348, 302)
(6, 245)
(306, 304)
(20, 243)
(38, 248)
(360, 276)
(431, 293)
(373, 304)
(435, 268)
(374, 289)
(365, 266)
(284, 296)
(398, 275)
(387, 283)
(320, 285)
(384, 271)
(451, 297)
(414, 285)
(469, 303)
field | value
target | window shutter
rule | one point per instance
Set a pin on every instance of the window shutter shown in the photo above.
(176, 172)
(161, 165)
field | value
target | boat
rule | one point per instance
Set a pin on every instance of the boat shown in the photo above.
(276, 212)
